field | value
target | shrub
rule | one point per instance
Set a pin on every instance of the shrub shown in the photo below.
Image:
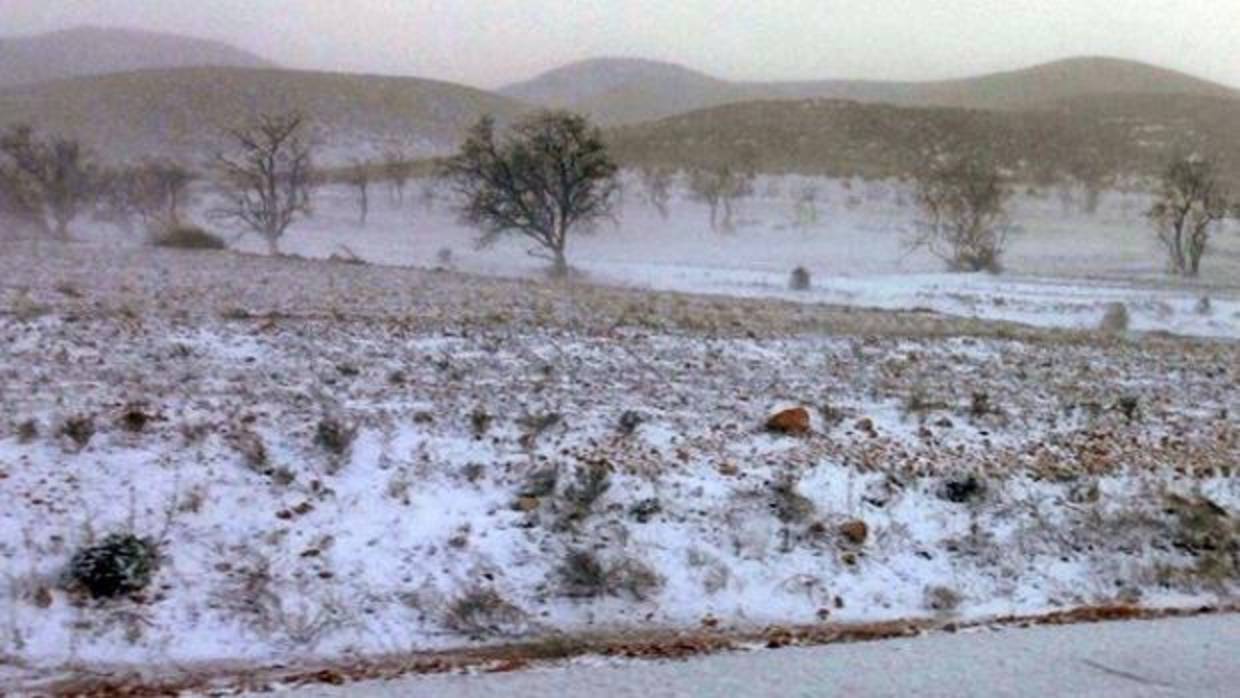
(334, 435)
(583, 575)
(480, 612)
(121, 565)
(799, 280)
(1115, 319)
(79, 429)
(187, 237)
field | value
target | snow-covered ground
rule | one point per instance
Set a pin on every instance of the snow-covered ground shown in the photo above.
(1063, 269)
(340, 460)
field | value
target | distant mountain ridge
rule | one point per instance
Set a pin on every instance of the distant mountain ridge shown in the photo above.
(620, 91)
(182, 113)
(85, 51)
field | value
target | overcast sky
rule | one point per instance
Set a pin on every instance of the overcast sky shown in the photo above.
(491, 42)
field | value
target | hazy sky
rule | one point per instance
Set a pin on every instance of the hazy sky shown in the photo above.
(492, 42)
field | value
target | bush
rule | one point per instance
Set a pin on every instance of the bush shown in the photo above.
(188, 237)
(1115, 319)
(583, 575)
(121, 565)
(799, 280)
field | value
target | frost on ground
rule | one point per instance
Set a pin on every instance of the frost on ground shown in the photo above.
(338, 460)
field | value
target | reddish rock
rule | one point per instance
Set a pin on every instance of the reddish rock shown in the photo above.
(792, 422)
(855, 532)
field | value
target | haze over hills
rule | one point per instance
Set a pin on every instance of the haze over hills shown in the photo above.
(183, 112)
(625, 91)
(86, 51)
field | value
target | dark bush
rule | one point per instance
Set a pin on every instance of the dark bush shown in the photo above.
(121, 565)
(188, 237)
(799, 280)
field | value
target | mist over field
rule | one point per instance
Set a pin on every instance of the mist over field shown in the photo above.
(355, 345)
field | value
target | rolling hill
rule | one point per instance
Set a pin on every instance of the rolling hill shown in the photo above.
(626, 91)
(95, 51)
(1132, 134)
(181, 113)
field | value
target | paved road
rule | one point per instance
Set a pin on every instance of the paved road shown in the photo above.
(1195, 657)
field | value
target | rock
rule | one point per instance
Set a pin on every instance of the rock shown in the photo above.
(855, 531)
(961, 490)
(792, 422)
(630, 421)
(865, 425)
(527, 504)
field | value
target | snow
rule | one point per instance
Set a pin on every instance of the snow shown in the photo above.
(1063, 269)
(451, 380)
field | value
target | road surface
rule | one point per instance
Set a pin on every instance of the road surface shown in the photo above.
(1189, 657)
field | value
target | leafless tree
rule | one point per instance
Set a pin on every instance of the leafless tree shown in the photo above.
(54, 176)
(398, 169)
(720, 187)
(154, 192)
(656, 183)
(806, 211)
(358, 177)
(546, 178)
(963, 200)
(21, 210)
(1190, 205)
(267, 180)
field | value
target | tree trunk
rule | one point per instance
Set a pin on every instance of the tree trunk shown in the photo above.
(559, 266)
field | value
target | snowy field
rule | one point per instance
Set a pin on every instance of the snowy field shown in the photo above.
(341, 460)
(1063, 269)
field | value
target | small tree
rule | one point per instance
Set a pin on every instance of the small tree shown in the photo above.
(806, 210)
(549, 176)
(1188, 208)
(154, 192)
(20, 205)
(398, 169)
(359, 178)
(720, 187)
(963, 201)
(53, 176)
(656, 183)
(266, 182)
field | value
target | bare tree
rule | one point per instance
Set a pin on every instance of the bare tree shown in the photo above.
(20, 206)
(963, 200)
(267, 180)
(154, 192)
(55, 176)
(549, 176)
(656, 185)
(1189, 207)
(398, 169)
(806, 211)
(720, 187)
(358, 177)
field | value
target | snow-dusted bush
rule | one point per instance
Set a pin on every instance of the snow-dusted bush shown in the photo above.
(482, 612)
(800, 279)
(1115, 319)
(120, 565)
(187, 237)
(584, 575)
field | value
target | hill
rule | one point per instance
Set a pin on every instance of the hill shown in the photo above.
(1134, 134)
(625, 91)
(182, 113)
(95, 51)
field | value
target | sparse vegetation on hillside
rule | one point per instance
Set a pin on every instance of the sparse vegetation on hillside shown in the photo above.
(550, 176)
